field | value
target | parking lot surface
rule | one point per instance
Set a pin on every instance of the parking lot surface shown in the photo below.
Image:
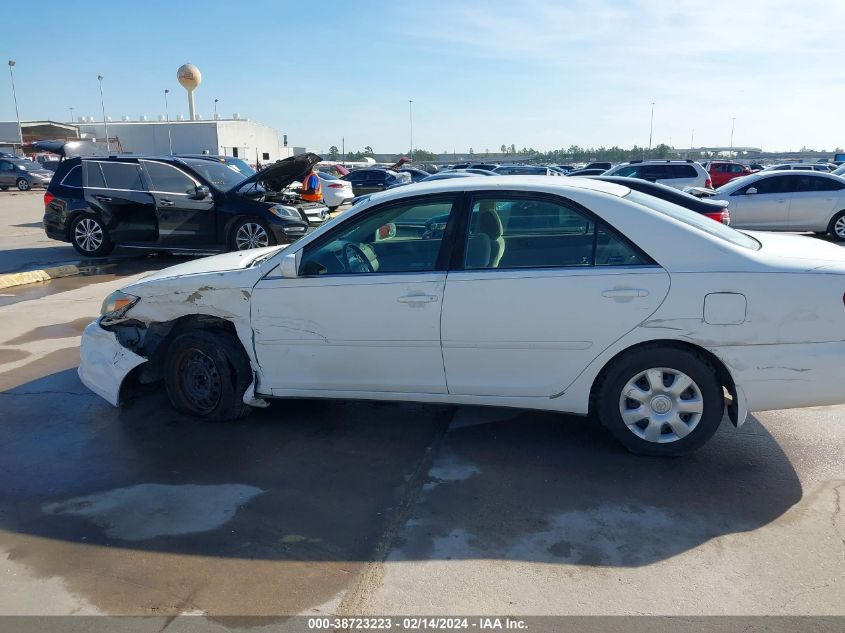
(312, 507)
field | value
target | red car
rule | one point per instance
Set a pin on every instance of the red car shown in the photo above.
(722, 171)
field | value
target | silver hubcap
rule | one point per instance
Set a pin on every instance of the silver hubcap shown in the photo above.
(88, 235)
(23, 185)
(661, 405)
(251, 235)
(839, 227)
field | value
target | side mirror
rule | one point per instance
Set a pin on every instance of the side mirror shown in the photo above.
(751, 191)
(201, 192)
(289, 267)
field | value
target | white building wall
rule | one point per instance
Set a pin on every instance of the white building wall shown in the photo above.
(250, 139)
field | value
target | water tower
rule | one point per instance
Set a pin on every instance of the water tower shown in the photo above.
(190, 77)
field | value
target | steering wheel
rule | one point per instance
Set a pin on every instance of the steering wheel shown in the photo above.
(356, 259)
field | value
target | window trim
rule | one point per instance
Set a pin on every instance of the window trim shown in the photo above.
(446, 244)
(457, 263)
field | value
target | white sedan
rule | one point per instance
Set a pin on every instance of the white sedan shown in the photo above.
(569, 295)
(787, 201)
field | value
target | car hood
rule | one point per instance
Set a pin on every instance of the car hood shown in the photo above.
(282, 173)
(224, 263)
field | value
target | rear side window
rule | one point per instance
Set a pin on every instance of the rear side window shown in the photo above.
(122, 176)
(125, 176)
(73, 178)
(515, 232)
(813, 183)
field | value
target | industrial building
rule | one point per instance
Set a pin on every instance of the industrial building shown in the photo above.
(254, 142)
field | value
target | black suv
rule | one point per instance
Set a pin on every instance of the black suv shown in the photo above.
(373, 179)
(172, 204)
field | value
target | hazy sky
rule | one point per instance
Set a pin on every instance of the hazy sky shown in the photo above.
(536, 74)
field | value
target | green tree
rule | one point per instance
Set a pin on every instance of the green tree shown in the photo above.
(422, 154)
(471, 152)
(333, 152)
(368, 151)
(504, 149)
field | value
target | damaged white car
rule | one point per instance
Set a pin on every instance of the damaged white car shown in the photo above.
(569, 295)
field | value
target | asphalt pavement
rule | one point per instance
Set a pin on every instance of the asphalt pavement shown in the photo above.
(343, 507)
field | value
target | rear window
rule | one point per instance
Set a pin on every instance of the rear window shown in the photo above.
(696, 220)
(73, 178)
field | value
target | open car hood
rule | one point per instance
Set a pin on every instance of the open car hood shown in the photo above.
(69, 149)
(282, 173)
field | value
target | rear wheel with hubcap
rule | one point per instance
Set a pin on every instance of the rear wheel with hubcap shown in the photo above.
(837, 227)
(22, 184)
(251, 233)
(661, 401)
(90, 237)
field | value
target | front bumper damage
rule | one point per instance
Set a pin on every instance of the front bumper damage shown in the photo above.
(104, 362)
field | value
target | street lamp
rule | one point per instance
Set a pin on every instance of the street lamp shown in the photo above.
(215, 108)
(733, 122)
(651, 126)
(167, 116)
(15, 96)
(103, 106)
(411, 120)
(71, 113)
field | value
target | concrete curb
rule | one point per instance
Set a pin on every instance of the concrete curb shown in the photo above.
(10, 280)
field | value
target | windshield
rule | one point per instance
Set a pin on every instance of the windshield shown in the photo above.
(26, 165)
(241, 166)
(222, 177)
(696, 220)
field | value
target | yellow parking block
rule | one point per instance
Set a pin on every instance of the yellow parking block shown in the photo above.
(9, 280)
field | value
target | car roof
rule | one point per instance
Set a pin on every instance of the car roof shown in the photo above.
(506, 183)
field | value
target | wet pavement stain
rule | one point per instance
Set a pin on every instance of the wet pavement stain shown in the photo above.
(144, 511)
(41, 367)
(56, 330)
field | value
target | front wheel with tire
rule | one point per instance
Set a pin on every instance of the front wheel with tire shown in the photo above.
(661, 401)
(250, 233)
(90, 237)
(836, 230)
(206, 373)
(22, 184)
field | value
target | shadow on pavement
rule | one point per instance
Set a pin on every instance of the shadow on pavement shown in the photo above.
(319, 480)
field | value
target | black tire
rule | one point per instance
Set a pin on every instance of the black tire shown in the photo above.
(837, 233)
(626, 368)
(3, 188)
(99, 242)
(333, 209)
(235, 234)
(206, 373)
(23, 184)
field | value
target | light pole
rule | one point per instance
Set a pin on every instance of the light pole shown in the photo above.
(343, 149)
(733, 122)
(691, 138)
(167, 117)
(215, 108)
(15, 96)
(651, 126)
(411, 121)
(71, 113)
(103, 106)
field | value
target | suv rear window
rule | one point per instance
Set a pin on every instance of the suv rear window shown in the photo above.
(73, 178)
(681, 171)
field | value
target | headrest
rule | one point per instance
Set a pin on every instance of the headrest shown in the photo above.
(490, 224)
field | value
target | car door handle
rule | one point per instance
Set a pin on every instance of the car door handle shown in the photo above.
(624, 293)
(103, 198)
(417, 299)
(166, 203)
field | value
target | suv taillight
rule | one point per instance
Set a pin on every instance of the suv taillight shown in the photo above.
(708, 184)
(48, 198)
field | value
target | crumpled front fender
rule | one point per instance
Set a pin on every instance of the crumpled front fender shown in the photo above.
(104, 362)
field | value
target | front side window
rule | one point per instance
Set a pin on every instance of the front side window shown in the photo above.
(400, 238)
(774, 185)
(167, 179)
(518, 232)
